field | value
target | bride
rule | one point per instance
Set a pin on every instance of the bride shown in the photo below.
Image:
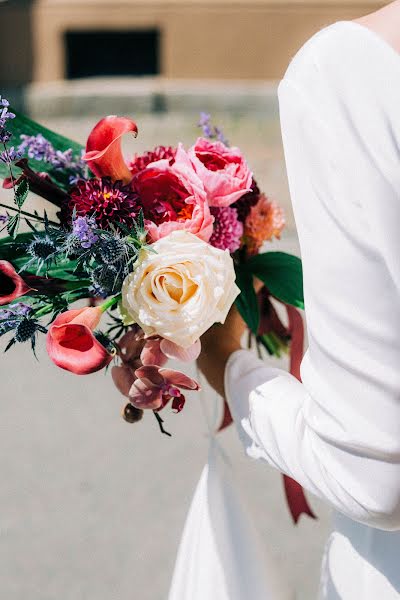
(338, 432)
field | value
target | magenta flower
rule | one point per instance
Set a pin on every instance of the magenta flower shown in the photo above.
(141, 161)
(228, 230)
(224, 172)
(155, 387)
(173, 198)
(108, 203)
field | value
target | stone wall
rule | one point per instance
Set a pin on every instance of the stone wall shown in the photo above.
(212, 39)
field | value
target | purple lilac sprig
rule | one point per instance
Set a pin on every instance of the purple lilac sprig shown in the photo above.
(83, 229)
(210, 131)
(38, 148)
(10, 155)
(5, 115)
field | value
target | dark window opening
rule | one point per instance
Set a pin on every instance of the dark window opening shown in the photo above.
(112, 53)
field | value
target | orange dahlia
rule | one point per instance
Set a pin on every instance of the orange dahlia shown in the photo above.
(265, 220)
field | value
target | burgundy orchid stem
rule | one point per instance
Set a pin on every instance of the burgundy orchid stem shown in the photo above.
(43, 186)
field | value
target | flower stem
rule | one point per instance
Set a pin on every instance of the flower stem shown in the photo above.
(43, 311)
(9, 166)
(110, 302)
(160, 424)
(26, 214)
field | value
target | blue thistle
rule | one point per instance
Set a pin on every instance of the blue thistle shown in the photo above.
(20, 319)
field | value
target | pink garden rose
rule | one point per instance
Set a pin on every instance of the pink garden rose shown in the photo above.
(173, 198)
(223, 171)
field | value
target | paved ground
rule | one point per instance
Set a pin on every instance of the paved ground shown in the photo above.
(92, 508)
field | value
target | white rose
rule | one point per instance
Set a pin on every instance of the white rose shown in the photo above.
(179, 288)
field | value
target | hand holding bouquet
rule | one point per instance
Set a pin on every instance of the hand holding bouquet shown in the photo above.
(160, 246)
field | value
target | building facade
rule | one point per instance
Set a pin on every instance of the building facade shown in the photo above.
(179, 39)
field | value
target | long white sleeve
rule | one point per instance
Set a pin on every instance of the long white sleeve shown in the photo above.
(338, 432)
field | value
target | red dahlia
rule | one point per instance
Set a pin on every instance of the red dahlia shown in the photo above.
(109, 202)
(159, 153)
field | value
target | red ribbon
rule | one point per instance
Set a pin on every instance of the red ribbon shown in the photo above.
(295, 496)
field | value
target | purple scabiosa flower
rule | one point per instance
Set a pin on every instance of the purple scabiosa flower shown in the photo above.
(3, 219)
(228, 230)
(83, 230)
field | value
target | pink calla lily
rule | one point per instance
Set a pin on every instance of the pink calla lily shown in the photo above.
(72, 345)
(12, 285)
(103, 148)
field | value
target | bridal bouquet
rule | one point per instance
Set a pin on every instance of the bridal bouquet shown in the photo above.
(159, 246)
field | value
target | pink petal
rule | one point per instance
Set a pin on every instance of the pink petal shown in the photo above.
(8, 183)
(150, 372)
(123, 379)
(178, 403)
(179, 379)
(152, 353)
(103, 148)
(131, 345)
(144, 395)
(176, 352)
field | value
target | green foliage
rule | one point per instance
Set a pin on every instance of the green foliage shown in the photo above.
(282, 274)
(21, 193)
(246, 302)
(13, 225)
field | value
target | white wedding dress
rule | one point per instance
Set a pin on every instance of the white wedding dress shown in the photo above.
(338, 432)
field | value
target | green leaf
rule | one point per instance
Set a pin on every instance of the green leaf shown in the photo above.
(63, 270)
(21, 193)
(13, 224)
(246, 302)
(10, 249)
(23, 125)
(282, 274)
